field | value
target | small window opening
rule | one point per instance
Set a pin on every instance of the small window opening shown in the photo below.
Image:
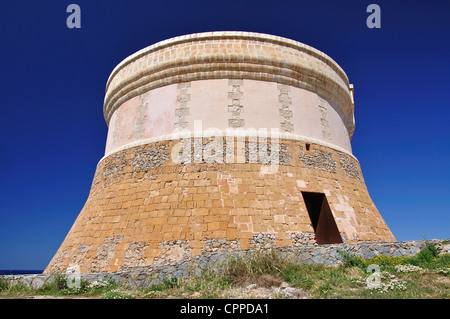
(308, 146)
(322, 219)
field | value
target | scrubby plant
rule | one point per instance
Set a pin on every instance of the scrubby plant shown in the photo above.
(427, 255)
(166, 284)
(4, 284)
(352, 260)
(255, 267)
(56, 285)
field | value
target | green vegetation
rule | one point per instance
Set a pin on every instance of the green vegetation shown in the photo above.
(427, 258)
(425, 275)
(58, 287)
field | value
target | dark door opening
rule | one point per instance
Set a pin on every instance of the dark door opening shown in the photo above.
(322, 219)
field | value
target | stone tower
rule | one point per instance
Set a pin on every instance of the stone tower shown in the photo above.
(222, 140)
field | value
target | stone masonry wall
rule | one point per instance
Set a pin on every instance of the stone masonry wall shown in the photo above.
(144, 276)
(143, 208)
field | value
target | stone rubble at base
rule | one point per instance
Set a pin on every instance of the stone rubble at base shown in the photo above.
(145, 276)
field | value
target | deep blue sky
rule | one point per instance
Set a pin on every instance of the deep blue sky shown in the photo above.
(52, 82)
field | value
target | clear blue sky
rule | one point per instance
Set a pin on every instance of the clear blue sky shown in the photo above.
(52, 82)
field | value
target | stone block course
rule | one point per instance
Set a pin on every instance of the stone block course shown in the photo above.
(270, 214)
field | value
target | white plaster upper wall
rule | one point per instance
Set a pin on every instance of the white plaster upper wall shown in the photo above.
(209, 102)
(122, 125)
(160, 111)
(307, 119)
(110, 143)
(306, 114)
(260, 105)
(337, 128)
(148, 115)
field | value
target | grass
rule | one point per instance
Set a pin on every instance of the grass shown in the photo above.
(424, 276)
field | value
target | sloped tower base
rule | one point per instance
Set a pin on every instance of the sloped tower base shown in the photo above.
(144, 209)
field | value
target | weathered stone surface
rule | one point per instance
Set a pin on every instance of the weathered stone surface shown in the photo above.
(321, 160)
(148, 158)
(140, 215)
(144, 276)
(349, 166)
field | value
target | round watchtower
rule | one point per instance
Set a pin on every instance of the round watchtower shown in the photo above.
(222, 140)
